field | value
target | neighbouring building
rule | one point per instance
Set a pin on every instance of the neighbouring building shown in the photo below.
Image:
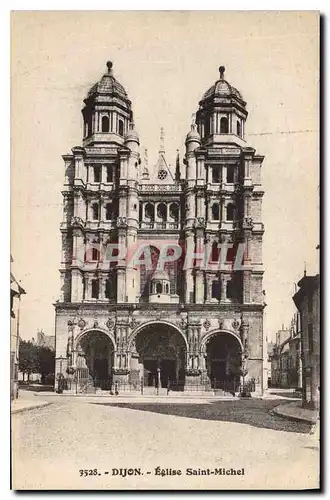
(285, 358)
(307, 301)
(44, 340)
(15, 303)
(184, 323)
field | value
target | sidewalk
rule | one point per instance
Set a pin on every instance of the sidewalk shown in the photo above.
(21, 404)
(294, 411)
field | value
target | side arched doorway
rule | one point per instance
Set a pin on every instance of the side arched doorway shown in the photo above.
(95, 358)
(223, 361)
(160, 356)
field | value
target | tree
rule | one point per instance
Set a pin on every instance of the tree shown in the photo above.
(46, 359)
(28, 358)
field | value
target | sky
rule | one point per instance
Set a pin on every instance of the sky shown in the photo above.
(166, 61)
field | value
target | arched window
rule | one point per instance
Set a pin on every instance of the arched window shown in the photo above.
(230, 211)
(105, 124)
(149, 212)
(207, 126)
(120, 127)
(95, 254)
(159, 288)
(162, 211)
(85, 129)
(95, 211)
(109, 211)
(174, 211)
(215, 252)
(224, 125)
(238, 128)
(215, 211)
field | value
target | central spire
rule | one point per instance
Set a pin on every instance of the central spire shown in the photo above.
(161, 147)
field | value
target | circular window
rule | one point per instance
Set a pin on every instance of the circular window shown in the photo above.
(162, 174)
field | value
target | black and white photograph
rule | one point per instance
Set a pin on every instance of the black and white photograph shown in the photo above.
(165, 248)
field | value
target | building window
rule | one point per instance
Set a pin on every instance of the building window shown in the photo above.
(230, 212)
(109, 211)
(238, 128)
(159, 288)
(231, 292)
(105, 124)
(149, 212)
(95, 254)
(95, 211)
(224, 125)
(162, 211)
(230, 174)
(216, 290)
(95, 289)
(110, 176)
(174, 211)
(215, 252)
(216, 177)
(107, 290)
(310, 337)
(207, 126)
(215, 211)
(97, 173)
(120, 127)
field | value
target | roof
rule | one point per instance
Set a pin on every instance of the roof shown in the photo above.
(222, 88)
(108, 84)
(160, 274)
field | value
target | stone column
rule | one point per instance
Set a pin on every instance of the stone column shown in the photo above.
(208, 288)
(223, 287)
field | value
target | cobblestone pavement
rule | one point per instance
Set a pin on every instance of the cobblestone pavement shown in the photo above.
(51, 445)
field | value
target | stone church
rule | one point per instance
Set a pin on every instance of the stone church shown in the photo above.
(125, 318)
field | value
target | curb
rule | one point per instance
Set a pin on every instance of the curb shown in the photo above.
(32, 407)
(278, 413)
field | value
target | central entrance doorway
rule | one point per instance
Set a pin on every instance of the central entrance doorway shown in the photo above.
(223, 362)
(97, 350)
(162, 356)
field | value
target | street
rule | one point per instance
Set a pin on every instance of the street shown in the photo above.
(52, 444)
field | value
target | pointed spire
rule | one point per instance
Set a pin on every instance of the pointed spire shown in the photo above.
(177, 167)
(145, 173)
(161, 147)
(305, 268)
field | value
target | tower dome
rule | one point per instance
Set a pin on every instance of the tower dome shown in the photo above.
(222, 113)
(108, 84)
(107, 112)
(222, 88)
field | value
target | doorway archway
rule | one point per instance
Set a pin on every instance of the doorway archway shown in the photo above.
(95, 358)
(223, 361)
(160, 355)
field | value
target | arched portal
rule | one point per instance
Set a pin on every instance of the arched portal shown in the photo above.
(223, 361)
(95, 358)
(160, 355)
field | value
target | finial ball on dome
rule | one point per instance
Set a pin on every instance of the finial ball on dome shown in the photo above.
(109, 66)
(222, 70)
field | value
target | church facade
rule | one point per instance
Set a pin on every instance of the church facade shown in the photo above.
(161, 268)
